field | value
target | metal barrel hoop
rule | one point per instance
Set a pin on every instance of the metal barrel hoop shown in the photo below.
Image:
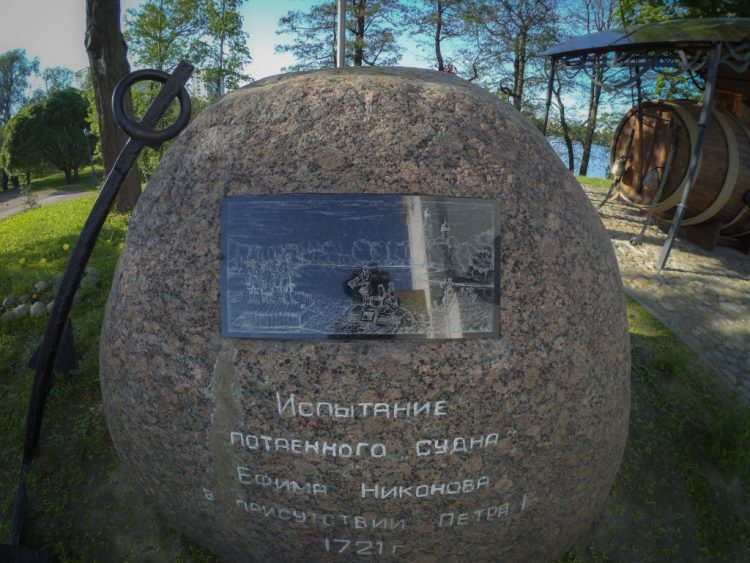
(136, 129)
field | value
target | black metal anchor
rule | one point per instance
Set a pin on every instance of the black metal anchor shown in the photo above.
(55, 352)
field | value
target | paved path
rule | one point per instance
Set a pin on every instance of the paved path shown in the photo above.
(12, 202)
(703, 297)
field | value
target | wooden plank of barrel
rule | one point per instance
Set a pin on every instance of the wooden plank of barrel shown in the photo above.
(723, 176)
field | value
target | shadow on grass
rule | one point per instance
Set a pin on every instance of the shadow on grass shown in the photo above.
(681, 493)
(83, 183)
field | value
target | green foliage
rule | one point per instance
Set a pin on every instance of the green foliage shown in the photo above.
(82, 505)
(48, 131)
(142, 95)
(15, 70)
(434, 23)
(648, 11)
(30, 200)
(61, 139)
(206, 33)
(370, 38)
(226, 46)
(314, 37)
(20, 152)
(161, 33)
(57, 78)
(508, 35)
(715, 8)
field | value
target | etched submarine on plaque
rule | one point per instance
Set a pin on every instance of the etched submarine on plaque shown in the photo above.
(366, 313)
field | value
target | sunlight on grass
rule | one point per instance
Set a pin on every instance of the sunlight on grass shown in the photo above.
(599, 183)
(57, 180)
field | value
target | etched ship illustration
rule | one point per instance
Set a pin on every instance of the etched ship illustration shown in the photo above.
(318, 267)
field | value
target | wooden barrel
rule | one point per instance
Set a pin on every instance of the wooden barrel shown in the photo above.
(718, 197)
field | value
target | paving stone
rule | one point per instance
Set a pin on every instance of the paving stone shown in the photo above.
(713, 307)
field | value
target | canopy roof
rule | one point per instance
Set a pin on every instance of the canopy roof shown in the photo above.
(670, 47)
(675, 34)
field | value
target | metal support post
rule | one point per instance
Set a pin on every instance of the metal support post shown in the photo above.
(712, 64)
(341, 37)
(638, 239)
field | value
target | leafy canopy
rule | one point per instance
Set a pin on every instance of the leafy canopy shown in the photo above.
(15, 70)
(48, 131)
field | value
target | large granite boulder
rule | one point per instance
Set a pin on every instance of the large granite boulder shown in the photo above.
(499, 448)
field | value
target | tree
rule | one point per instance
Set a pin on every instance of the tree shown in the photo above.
(599, 15)
(161, 33)
(439, 20)
(372, 25)
(713, 8)
(51, 130)
(371, 34)
(61, 140)
(108, 63)
(226, 45)
(20, 152)
(640, 11)
(564, 128)
(510, 33)
(314, 43)
(15, 70)
(57, 78)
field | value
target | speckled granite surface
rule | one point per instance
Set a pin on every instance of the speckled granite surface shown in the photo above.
(515, 440)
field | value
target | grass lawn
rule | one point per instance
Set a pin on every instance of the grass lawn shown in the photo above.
(76, 478)
(680, 495)
(57, 181)
(600, 183)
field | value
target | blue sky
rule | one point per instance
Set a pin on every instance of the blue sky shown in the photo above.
(53, 30)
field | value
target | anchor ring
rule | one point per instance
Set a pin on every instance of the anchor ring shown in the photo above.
(134, 128)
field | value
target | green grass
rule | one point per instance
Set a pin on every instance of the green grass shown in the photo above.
(680, 494)
(56, 180)
(76, 459)
(602, 183)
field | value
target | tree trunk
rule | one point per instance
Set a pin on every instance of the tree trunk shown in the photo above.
(359, 36)
(334, 42)
(595, 92)
(108, 62)
(438, 31)
(76, 177)
(28, 177)
(3, 180)
(15, 182)
(68, 176)
(519, 70)
(565, 130)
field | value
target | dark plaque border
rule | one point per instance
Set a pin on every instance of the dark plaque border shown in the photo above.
(267, 241)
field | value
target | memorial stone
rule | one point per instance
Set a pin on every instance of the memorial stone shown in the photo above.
(368, 313)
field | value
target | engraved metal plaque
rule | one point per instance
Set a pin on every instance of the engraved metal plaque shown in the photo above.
(309, 266)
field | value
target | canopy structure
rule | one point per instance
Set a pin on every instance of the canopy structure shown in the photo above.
(715, 49)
